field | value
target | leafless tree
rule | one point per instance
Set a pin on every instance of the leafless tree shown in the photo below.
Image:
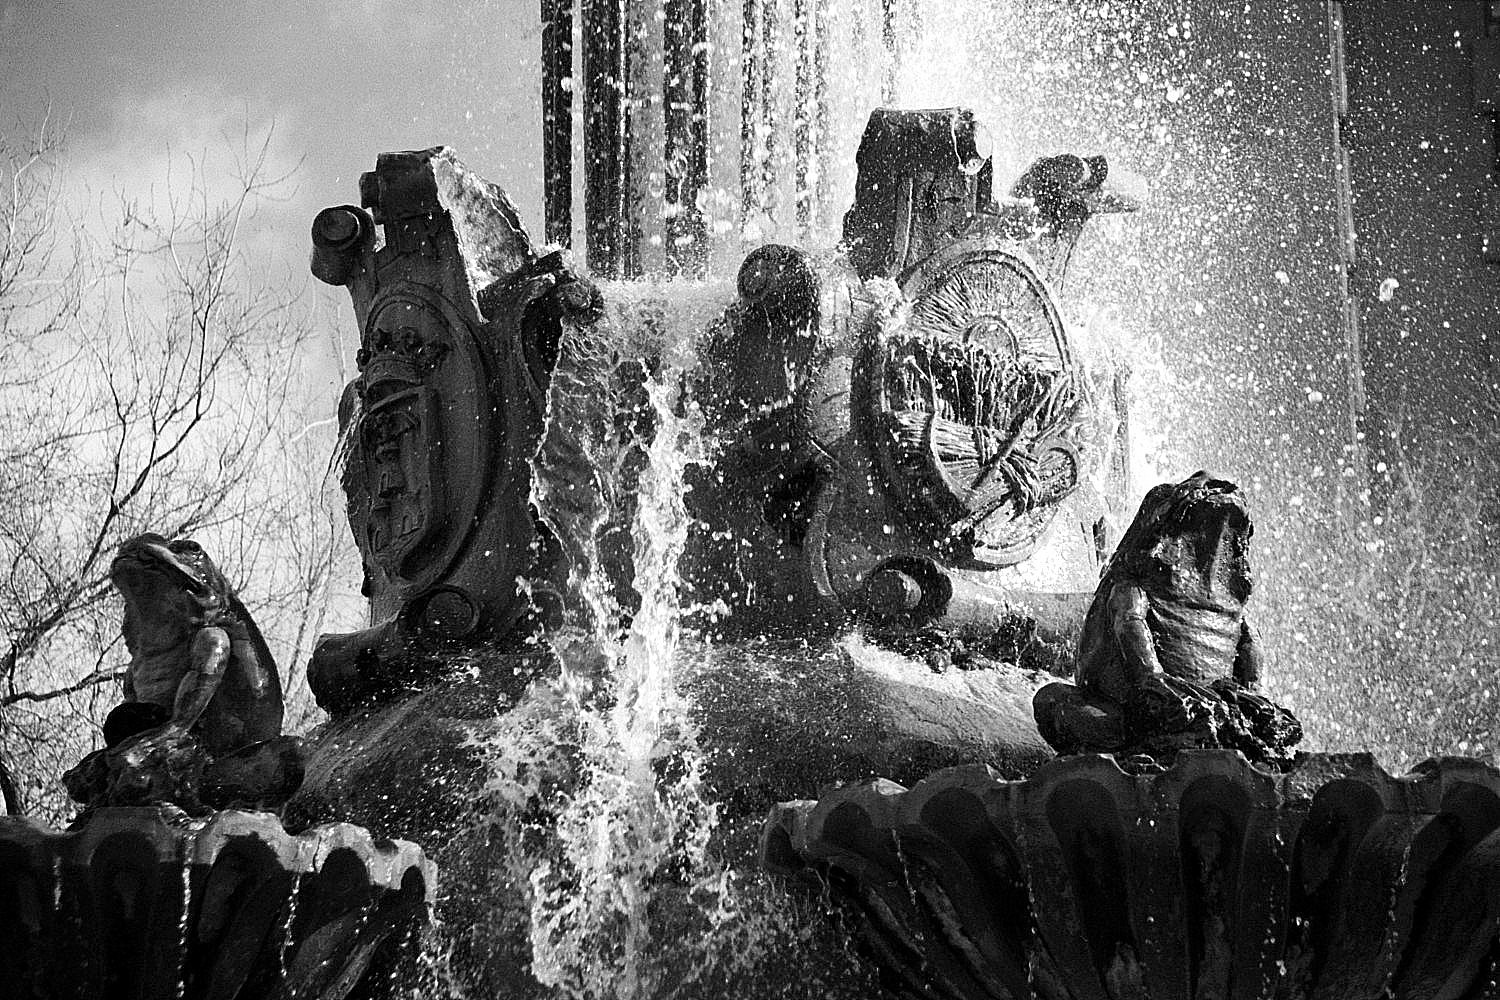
(149, 380)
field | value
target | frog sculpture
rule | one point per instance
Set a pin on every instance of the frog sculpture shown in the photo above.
(1167, 660)
(201, 723)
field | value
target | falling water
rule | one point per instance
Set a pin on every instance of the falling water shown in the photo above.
(609, 749)
(637, 810)
(596, 779)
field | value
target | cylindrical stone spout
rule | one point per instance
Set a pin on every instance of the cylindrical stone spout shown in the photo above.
(892, 592)
(339, 236)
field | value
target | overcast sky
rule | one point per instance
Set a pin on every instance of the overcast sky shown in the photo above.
(142, 84)
(1231, 259)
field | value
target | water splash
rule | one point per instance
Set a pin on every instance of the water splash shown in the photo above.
(596, 795)
(599, 769)
(1238, 374)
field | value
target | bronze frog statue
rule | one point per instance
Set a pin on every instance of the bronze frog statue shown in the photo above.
(196, 655)
(201, 723)
(1167, 659)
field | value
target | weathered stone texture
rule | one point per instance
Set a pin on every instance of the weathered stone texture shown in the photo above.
(1215, 878)
(132, 906)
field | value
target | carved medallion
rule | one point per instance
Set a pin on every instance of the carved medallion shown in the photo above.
(399, 450)
(972, 407)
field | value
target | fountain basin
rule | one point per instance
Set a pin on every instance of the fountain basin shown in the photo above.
(1214, 878)
(132, 905)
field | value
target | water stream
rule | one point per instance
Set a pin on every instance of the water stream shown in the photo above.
(607, 753)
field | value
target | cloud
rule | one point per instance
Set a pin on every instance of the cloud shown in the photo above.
(155, 151)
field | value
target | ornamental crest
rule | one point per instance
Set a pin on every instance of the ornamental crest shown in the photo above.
(392, 475)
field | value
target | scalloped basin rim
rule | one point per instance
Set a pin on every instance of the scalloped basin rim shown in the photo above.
(1214, 877)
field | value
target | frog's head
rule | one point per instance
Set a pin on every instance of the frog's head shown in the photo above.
(170, 588)
(1190, 541)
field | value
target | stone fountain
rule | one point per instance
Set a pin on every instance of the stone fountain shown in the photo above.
(891, 429)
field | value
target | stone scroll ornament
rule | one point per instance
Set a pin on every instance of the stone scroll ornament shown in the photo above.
(895, 433)
(461, 323)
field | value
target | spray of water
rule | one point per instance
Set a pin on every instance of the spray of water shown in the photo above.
(1218, 299)
(598, 770)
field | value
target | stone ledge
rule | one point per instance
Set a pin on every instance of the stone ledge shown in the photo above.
(782, 719)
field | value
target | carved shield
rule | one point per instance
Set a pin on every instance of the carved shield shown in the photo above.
(403, 467)
(399, 445)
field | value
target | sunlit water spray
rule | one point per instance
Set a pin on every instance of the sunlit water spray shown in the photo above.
(1216, 313)
(601, 767)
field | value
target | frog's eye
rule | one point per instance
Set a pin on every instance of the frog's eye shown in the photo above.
(188, 546)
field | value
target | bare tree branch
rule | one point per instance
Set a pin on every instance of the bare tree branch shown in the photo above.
(147, 369)
(92, 680)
